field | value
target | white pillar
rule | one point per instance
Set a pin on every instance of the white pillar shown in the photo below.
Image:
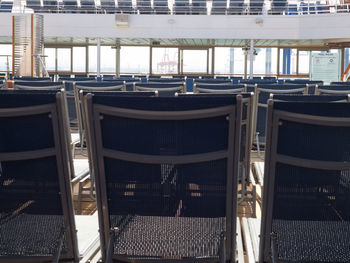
(98, 57)
(251, 58)
(117, 68)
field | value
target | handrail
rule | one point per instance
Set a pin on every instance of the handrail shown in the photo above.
(345, 76)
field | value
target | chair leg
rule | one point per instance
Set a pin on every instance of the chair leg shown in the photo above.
(80, 192)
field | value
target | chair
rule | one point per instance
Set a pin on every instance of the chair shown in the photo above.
(218, 88)
(306, 195)
(36, 208)
(255, 7)
(161, 7)
(164, 80)
(182, 7)
(87, 6)
(143, 7)
(236, 7)
(246, 134)
(6, 6)
(51, 6)
(69, 6)
(262, 94)
(91, 86)
(219, 7)
(79, 167)
(33, 4)
(212, 81)
(162, 89)
(165, 176)
(24, 78)
(107, 6)
(125, 7)
(278, 7)
(332, 89)
(199, 7)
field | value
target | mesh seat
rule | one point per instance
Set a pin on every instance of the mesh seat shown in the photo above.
(159, 237)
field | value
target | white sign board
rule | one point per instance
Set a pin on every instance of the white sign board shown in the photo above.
(325, 67)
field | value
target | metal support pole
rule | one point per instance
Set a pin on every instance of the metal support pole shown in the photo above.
(245, 63)
(98, 58)
(251, 58)
(117, 68)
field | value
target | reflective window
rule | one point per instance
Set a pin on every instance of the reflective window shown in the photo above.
(92, 59)
(195, 61)
(79, 59)
(134, 59)
(224, 60)
(165, 60)
(6, 58)
(108, 59)
(50, 59)
(304, 62)
(64, 59)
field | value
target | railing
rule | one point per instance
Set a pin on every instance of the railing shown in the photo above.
(188, 7)
(346, 74)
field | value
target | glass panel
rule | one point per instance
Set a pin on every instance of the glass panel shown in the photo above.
(195, 61)
(6, 62)
(238, 67)
(64, 59)
(165, 60)
(92, 59)
(304, 62)
(134, 59)
(288, 61)
(260, 61)
(50, 60)
(108, 59)
(222, 60)
(79, 59)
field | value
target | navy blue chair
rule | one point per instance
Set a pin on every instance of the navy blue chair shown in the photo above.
(166, 170)
(143, 7)
(305, 212)
(278, 7)
(236, 7)
(161, 7)
(44, 79)
(219, 7)
(107, 6)
(182, 7)
(33, 4)
(255, 7)
(199, 7)
(50, 6)
(69, 6)
(162, 89)
(6, 6)
(36, 207)
(262, 95)
(218, 88)
(332, 89)
(125, 7)
(213, 81)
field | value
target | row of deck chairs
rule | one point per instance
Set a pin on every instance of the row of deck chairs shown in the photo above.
(166, 177)
(195, 7)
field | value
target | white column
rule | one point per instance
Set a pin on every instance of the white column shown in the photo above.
(251, 58)
(98, 57)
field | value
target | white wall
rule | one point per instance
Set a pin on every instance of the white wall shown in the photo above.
(327, 26)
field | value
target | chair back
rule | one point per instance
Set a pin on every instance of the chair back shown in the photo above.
(306, 217)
